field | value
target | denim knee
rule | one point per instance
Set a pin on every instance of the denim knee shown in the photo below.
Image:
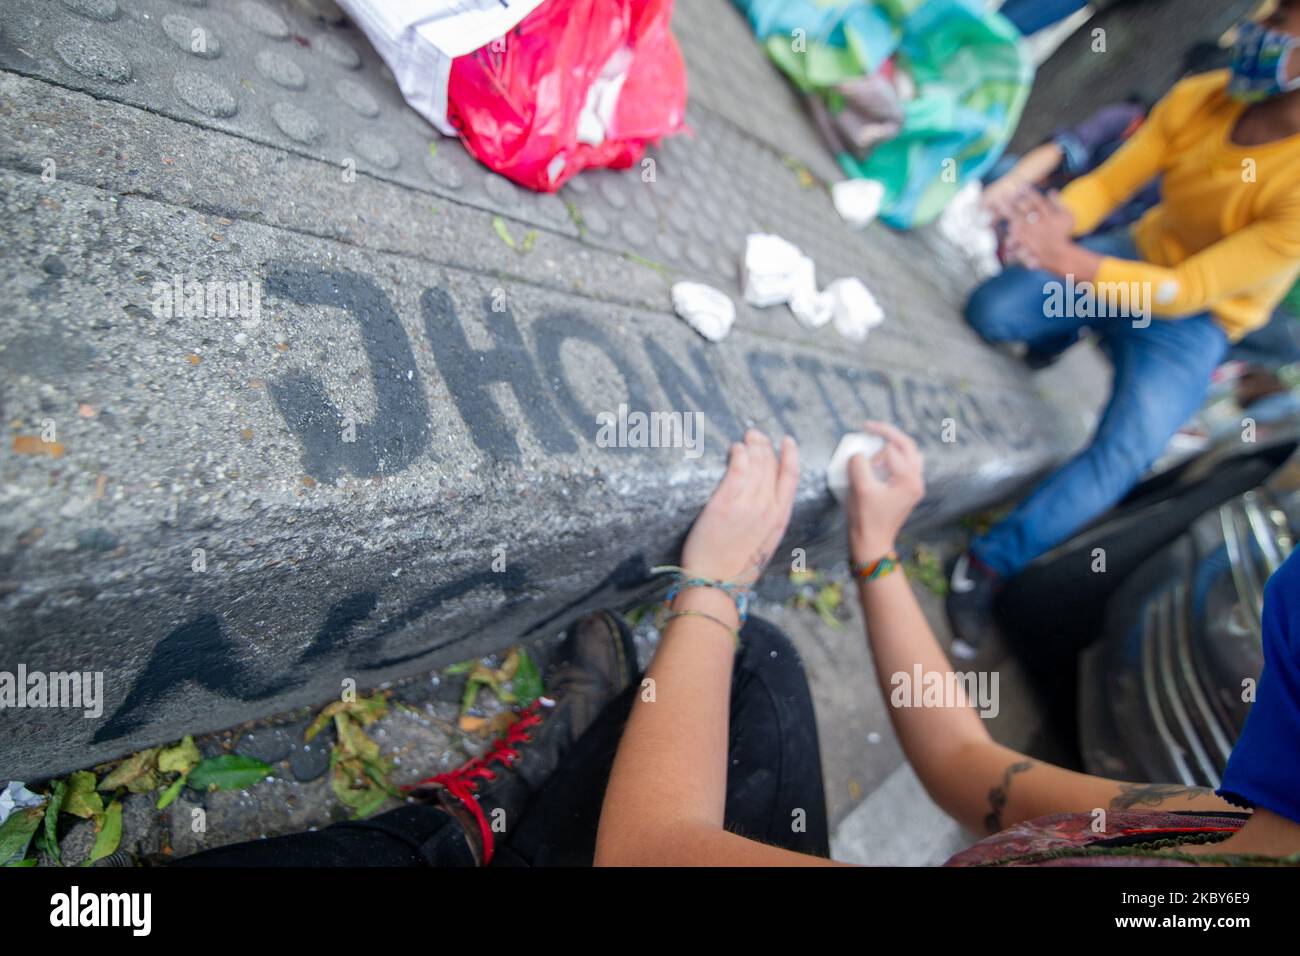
(993, 309)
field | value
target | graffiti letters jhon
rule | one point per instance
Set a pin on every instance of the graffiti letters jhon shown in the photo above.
(800, 390)
(399, 434)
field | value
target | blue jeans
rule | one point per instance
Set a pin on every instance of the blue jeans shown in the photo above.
(1030, 16)
(1162, 372)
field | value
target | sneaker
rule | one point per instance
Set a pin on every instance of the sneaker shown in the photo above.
(1039, 360)
(972, 588)
(594, 664)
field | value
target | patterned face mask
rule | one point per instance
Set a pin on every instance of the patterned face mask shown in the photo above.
(1259, 62)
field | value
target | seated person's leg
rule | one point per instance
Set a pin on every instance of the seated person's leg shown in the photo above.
(774, 773)
(773, 769)
(1029, 305)
(1161, 376)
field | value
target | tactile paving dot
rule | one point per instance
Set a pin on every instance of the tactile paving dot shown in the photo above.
(552, 207)
(444, 170)
(635, 233)
(376, 150)
(501, 189)
(93, 57)
(205, 94)
(278, 68)
(358, 97)
(102, 10)
(338, 51)
(611, 190)
(297, 124)
(191, 36)
(679, 218)
(669, 245)
(699, 257)
(643, 202)
(263, 19)
(594, 221)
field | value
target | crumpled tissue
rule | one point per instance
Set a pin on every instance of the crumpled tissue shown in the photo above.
(837, 471)
(16, 796)
(705, 309)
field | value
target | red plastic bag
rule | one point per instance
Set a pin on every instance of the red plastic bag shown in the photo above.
(517, 102)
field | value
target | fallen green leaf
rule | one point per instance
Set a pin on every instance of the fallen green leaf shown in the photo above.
(180, 758)
(58, 792)
(138, 773)
(529, 240)
(16, 833)
(503, 231)
(433, 150)
(172, 792)
(527, 681)
(81, 799)
(110, 835)
(228, 772)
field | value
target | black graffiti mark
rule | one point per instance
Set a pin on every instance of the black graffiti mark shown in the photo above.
(815, 370)
(759, 365)
(469, 372)
(197, 651)
(702, 394)
(925, 414)
(512, 582)
(552, 331)
(340, 622)
(630, 574)
(858, 379)
(399, 432)
(200, 652)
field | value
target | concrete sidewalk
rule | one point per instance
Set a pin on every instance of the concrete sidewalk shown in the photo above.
(395, 466)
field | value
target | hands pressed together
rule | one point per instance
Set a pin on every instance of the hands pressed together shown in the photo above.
(740, 528)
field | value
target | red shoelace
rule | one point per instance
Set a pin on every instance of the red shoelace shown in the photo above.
(462, 783)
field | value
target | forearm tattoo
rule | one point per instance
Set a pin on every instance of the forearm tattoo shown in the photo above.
(1153, 794)
(998, 795)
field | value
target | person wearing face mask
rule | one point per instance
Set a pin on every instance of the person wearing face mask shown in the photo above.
(1201, 269)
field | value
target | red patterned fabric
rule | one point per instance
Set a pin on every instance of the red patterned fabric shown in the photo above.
(1047, 841)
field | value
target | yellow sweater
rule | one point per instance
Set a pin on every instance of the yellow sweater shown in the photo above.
(1225, 236)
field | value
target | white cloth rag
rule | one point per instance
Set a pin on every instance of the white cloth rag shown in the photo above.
(705, 309)
(969, 226)
(837, 471)
(858, 200)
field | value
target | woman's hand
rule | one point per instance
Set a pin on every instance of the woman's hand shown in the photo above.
(737, 532)
(878, 505)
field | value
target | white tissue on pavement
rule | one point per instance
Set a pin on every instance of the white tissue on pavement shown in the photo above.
(777, 271)
(813, 309)
(774, 270)
(858, 201)
(969, 226)
(16, 796)
(854, 309)
(837, 471)
(705, 309)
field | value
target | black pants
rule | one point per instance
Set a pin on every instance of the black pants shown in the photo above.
(774, 787)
